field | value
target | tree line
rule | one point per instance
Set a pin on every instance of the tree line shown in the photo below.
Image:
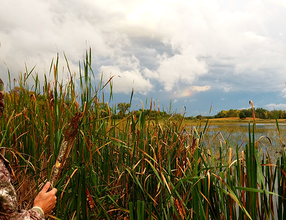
(121, 109)
(259, 113)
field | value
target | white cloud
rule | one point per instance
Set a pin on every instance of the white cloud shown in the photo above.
(125, 81)
(127, 75)
(240, 41)
(240, 45)
(254, 36)
(180, 68)
(33, 32)
(277, 2)
(189, 91)
(226, 89)
(272, 106)
(190, 100)
(284, 92)
(201, 88)
(151, 74)
(148, 12)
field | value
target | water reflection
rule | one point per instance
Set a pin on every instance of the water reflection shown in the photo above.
(266, 136)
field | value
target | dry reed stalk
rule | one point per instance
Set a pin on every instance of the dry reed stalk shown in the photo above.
(2, 150)
(2, 93)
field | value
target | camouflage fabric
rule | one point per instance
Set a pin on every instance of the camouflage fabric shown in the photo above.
(8, 200)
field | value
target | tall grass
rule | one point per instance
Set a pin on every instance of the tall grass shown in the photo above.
(131, 168)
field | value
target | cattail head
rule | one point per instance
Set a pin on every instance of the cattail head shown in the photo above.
(251, 103)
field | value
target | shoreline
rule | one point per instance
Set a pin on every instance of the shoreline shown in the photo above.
(232, 120)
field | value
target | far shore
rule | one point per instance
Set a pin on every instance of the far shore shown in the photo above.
(232, 120)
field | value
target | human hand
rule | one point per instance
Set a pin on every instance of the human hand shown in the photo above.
(46, 200)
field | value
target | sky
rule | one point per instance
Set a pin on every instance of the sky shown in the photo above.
(190, 55)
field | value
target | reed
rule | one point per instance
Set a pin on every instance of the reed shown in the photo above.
(131, 168)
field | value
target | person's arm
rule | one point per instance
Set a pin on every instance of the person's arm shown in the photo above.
(43, 204)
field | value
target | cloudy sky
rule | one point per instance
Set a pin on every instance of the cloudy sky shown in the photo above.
(192, 53)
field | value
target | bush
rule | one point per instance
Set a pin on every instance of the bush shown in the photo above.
(242, 115)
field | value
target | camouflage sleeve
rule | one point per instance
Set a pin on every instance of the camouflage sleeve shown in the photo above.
(8, 200)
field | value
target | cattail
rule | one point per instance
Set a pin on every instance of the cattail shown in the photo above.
(1, 98)
(89, 199)
(253, 113)
(57, 166)
(65, 147)
(2, 150)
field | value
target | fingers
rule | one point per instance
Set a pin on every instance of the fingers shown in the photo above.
(46, 187)
(46, 199)
(54, 190)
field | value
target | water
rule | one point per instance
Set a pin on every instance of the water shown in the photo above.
(266, 137)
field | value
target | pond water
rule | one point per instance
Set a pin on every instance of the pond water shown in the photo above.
(268, 139)
(269, 142)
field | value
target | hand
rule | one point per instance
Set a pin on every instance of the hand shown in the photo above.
(46, 200)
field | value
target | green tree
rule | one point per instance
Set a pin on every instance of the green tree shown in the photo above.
(247, 112)
(123, 107)
(232, 113)
(242, 115)
(221, 114)
(284, 114)
(261, 113)
(279, 114)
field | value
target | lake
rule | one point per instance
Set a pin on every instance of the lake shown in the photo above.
(236, 135)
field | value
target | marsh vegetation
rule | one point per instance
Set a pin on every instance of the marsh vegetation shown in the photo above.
(135, 167)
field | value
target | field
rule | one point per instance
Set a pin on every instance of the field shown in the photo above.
(135, 167)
